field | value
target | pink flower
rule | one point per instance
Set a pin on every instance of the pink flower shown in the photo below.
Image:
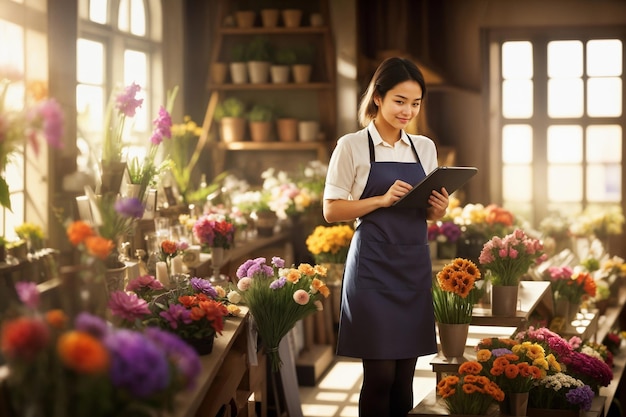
(28, 293)
(301, 297)
(128, 306)
(126, 102)
(144, 281)
(47, 121)
(513, 253)
(162, 127)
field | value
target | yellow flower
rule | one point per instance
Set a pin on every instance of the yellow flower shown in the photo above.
(330, 243)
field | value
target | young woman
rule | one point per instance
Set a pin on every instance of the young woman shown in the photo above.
(387, 316)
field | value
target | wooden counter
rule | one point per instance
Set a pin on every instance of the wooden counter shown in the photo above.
(226, 377)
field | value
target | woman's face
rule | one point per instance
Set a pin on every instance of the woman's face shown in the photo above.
(401, 104)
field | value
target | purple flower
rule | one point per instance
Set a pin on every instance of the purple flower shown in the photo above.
(128, 306)
(501, 351)
(126, 102)
(175, 314)
(204, 286)
(278, 262)
(183, 356)
(137, 364)
(162, 127)
(451, 231)
(278, 283)
(28, 293)
(129, 207)
(182, 245)
(581, 396)
(48, 116)
(91, 324)
(252, 267)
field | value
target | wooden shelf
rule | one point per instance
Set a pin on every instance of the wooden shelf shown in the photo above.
(272, 87)
(278, 30)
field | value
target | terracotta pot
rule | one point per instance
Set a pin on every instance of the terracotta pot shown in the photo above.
(287, 129)
(301, 73)
(245, 18)
(260, 131)
(292, 17)
(232, 129)
(269, 17)
(219, 70)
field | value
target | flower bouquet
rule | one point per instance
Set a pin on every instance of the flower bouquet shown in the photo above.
(469, 393)
(455, 292)
(214, 231)
(514, 367)
(508, 258)
(86, 367)
(330, 244)
(278, 297)
(570, 285)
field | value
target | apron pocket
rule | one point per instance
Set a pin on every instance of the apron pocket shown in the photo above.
(392, 267)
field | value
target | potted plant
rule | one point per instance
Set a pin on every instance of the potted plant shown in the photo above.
(260, 118)
(291, 17)
(284, 58)
(258, 54)
(230, 114)
(454, 295)
(286, 128)
(238, 67)
(245, 18)
(304, 64)
(269, 17)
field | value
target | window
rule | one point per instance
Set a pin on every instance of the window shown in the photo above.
(119, 43)
(560, 129)
(24, 55)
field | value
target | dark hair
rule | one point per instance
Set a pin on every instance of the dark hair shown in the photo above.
(391, 72)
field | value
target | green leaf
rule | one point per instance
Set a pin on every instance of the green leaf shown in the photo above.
(5, 199)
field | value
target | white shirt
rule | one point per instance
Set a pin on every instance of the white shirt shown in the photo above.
(349, 165)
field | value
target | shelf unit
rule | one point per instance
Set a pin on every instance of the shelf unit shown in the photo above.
(314, 100)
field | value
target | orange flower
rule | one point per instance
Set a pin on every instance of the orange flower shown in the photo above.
(99, 247)
(56, 318)
(78, 231)
(187, 300)
(511, 371)
(470, 367)
(293, 275)
(169, 247)
(306, 269)
(483, 355)
(83, 353)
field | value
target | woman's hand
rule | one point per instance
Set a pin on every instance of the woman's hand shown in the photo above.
(395, 192)
(438, 204)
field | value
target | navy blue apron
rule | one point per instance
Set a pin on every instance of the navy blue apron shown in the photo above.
(386, 303)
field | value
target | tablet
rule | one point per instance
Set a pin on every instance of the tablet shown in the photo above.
(452, 178)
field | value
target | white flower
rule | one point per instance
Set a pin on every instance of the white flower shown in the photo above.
(234, 297)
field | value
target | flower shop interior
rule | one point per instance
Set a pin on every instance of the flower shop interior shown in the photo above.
(162, 256)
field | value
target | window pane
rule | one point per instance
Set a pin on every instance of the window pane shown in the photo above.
(517, 60)
(98, 11)
(15, 217)
(604, 183)
(90, 62)
(521, 210)
(565, 98)
(517, 144)
(123, 17)
(565, 183)
(12, 50)
(136, 71)
(604, 143)
(517, 183)
(604, 97)
(517, 99)
(565, 59)
(604, 57)
(565, 144)
(90, 106)
(138, 18)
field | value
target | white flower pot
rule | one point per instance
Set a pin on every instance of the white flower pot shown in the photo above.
(308, 130)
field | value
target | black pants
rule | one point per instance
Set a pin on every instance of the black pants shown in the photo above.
(387, 389)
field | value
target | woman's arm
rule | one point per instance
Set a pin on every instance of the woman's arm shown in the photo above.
(347, 210)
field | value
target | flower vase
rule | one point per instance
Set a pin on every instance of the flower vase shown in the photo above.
(219, 258)
(565, 309)
(514, 404)
(265, 223)
(202, 346)
(115, 278)
(112, 175)
(504, 300)
(453, 339)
